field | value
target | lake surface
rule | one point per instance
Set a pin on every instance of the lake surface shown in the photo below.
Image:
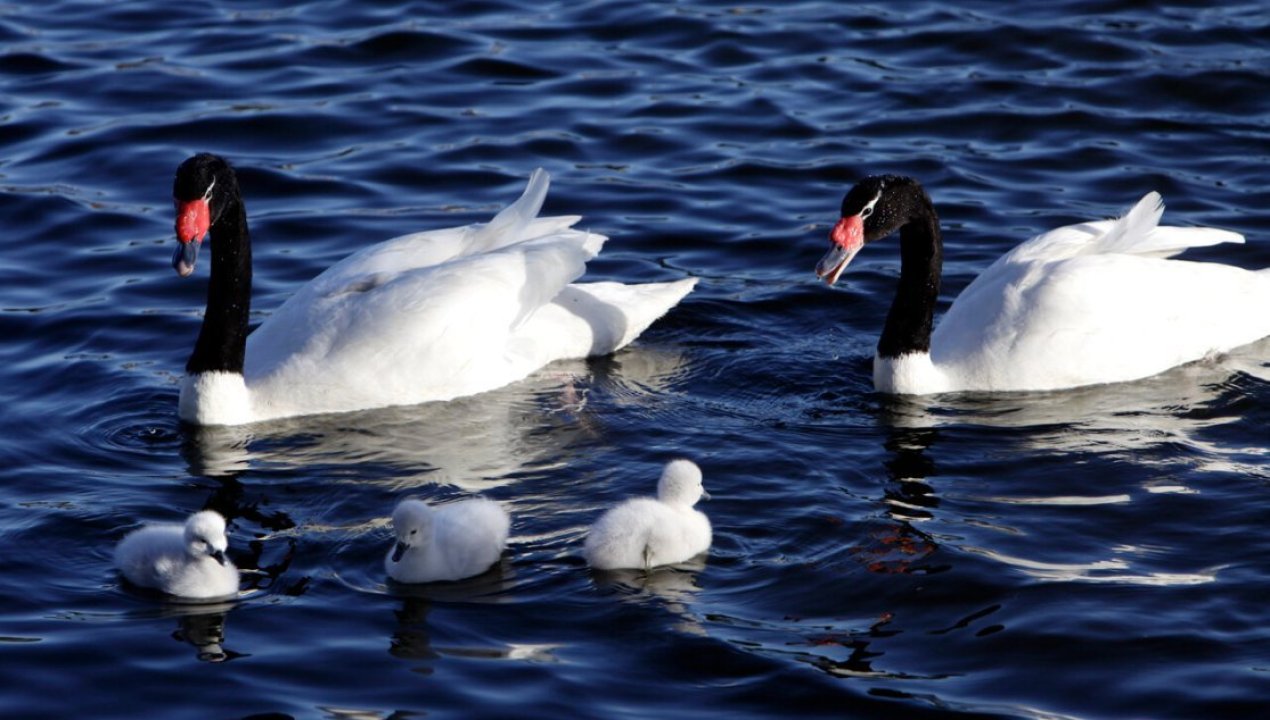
(1099, 553)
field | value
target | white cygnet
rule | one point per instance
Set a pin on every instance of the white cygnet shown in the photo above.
(647, 532)
(187, 561)
(446, 542)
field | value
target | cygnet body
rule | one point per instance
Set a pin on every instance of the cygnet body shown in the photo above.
(187, 561)
(447, 542)
(647, 532)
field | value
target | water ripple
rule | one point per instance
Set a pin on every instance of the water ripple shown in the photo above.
(971, 556)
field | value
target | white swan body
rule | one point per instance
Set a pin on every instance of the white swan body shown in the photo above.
(186, 560)
(648, 532)
(447, 542)
(431, 316)
(1092, 303)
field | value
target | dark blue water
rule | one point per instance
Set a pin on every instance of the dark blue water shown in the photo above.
(1097, 554)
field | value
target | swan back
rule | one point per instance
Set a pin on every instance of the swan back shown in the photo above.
(1137, 232)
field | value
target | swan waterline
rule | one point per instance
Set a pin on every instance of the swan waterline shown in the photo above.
(429, 316)
(1087, 304)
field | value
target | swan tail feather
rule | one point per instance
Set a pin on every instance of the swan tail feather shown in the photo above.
(511, 223)
(1127, 233)
(619, 313)
(1139, 233)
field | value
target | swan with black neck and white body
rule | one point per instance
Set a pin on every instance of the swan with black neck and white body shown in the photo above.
(424, 317)
(1098, 302)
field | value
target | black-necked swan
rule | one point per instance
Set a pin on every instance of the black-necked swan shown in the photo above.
(1098, 302)
(185, 560)
(446, 542)
(644, 532)
(429, 316)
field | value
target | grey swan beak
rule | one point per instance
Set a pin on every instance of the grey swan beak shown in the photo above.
(398, 551)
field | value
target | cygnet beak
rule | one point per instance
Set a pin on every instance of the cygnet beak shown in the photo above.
(704, 495)
(218, 556)
(398, 551)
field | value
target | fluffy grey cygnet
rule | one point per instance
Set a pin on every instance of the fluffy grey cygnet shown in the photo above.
(647, 532)
(446, 542)
(186, 561)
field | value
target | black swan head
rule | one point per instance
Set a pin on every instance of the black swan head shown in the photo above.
(877, 206)
(204, 187)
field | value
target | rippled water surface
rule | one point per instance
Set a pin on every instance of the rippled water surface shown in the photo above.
(1096, 554)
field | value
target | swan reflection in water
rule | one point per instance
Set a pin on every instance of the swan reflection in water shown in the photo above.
(1130, 417)
(933, 517)
(1134, 428)
(953, 494)
(475, 443)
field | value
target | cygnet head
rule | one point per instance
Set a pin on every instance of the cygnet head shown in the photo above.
(680, 484)
(205, 536)
(412, 521)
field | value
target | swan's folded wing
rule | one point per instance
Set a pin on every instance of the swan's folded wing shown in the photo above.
(371, 335)
(509, 225)
(1138, 232)
(518, 222)
(1096, 318)
(427, 249)
(1165, 241)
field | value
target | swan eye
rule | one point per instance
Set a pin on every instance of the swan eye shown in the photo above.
(867, 210)
(207, 194)
(414, 532)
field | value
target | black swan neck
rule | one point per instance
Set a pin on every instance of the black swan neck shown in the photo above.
(911, 318)
(222, 341)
